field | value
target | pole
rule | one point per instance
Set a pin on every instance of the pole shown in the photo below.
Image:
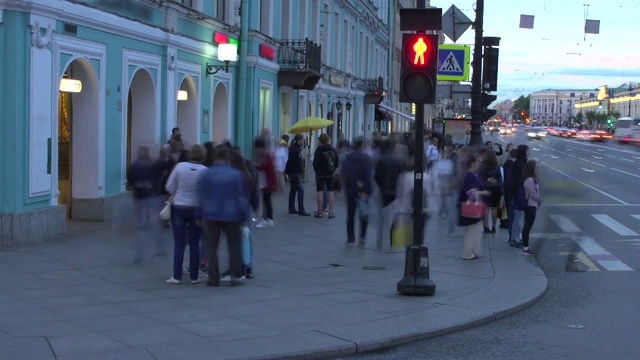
(476, 82)
(418, 190)
(242, 136)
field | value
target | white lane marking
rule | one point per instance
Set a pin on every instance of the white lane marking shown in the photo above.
(588, 170)
(624, 172)
(611, 156)
(635, 157)
(609, 222)
(535, 149)
(627, 160)
(583, 159)
(565, 224)
(587, 185)
(597, 157)
(601, 256)
(637, 217)
(554, 157)
(595, 163)
(600, 149)
(571, 155)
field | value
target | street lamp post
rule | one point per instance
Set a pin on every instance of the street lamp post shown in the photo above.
(629, 101)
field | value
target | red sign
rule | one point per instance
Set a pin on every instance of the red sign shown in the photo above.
(267, 52)
(220, 38)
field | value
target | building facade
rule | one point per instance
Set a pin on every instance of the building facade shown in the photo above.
(135, 69)
(557, 106)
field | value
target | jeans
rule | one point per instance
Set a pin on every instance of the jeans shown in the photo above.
(299, 189)
(185, 231)
(529, 219)
(267, 205)
(352, 204)
(516, 225)
(385, 219)
(510, 215)
(233, 232)
(148, 224)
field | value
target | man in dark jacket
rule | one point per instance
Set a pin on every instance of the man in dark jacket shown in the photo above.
(293, 169)
(143, 178)
(388, 169)
(357, 176)
(325, 163)
(509, 192)
(522, 153)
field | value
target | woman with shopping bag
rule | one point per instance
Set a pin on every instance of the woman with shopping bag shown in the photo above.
(472, 210)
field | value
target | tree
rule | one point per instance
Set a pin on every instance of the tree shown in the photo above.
(615, 114)
(521, 107)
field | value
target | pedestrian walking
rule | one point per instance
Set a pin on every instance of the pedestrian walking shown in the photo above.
(293, 169)
(182, 185)
(491, 178)
(325, 163)
(387, 171)
(143, 178)
(509, 190)
(471, 192)
(519, 198)
(267, 180)
(357, 174)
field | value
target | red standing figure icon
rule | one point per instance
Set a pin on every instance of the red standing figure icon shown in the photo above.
(420, 47)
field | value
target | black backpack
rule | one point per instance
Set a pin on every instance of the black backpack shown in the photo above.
(328, 161)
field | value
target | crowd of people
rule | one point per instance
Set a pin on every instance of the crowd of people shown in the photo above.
(213, 190)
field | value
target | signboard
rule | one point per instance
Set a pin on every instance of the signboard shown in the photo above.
(453, 62)
(459, 129)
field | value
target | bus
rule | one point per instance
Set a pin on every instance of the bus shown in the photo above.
(627, 129)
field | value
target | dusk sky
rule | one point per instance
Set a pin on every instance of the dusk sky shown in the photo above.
(554, 54)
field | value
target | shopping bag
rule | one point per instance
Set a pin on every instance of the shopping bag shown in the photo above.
(503, 210)
(402, 234)
(472, 209)
(363, 208)
(246, 246)
(165, 213)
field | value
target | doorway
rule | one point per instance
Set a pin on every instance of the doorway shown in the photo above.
(78, 131)
(188, 114)
(141, 115)
(221, 115)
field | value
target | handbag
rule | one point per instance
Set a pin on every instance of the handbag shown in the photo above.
(472, 209)
(247, 250)
(402, 233)
(165, 213)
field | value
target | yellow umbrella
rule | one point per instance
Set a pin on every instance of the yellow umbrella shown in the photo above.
(309, 124)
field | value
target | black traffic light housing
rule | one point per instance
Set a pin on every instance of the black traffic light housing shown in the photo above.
(490, 69)
(487, 99)
(419, 68)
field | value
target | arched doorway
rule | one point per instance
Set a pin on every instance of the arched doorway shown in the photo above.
(188, 113)
(141, 114)
(78, 131)
(221, 115)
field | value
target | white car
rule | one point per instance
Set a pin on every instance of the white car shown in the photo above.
(537, 132)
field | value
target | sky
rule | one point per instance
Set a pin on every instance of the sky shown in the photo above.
(555, 54)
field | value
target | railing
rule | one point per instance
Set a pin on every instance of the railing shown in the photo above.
(300, 55)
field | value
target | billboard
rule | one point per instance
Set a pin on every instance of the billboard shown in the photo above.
(459, 129)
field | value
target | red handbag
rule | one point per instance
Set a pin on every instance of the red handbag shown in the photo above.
(472, 209)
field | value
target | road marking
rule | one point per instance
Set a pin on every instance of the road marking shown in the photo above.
(597, 157)
(588, 170)
(595, 163)
(601, 256)
(609, 222)
(636, 242)
(584, 259)
(624, 172)
(600, 149)
(571, 155)
(565, 224)
(554, 157)
(587, 185)
(583, 159)
(635, 157)
(534, 149)
(627, 160)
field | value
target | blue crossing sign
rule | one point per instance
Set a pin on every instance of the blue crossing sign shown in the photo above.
(453, 62)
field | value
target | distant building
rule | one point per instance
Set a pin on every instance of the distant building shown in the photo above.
(557, 106)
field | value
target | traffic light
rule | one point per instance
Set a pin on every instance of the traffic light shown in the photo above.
(486, 101)
(490, 69)
(419, 68)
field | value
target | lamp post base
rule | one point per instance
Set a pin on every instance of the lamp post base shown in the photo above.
(416, 286)
(416, 279)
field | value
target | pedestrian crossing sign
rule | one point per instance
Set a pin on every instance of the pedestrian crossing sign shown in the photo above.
(453, 62)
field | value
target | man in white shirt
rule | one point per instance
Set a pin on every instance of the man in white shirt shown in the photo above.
(432, 154)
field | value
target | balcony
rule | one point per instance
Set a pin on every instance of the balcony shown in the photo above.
(373, 91)
(300, 64)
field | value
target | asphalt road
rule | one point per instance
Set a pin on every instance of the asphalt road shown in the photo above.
(590, 221)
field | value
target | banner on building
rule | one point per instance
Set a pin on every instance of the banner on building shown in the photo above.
(458, 129)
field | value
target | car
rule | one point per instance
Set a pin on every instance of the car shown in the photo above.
(538, 133)
(552, 131)
(593, 135)
(571, 133)
(563, 131)
(507, 130)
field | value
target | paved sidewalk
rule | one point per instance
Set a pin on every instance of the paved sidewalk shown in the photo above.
(81, 297)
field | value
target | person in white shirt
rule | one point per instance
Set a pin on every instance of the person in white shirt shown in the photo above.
(432, 154)
(182, 185)
(281, 155)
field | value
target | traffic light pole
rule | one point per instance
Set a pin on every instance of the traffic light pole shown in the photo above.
(476, 81)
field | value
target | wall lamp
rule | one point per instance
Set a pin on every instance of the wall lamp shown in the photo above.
(348, 105)
(226, 53)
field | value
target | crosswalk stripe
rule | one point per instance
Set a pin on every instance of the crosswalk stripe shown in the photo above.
(637, 217)
(565, 224)
(601, 256)
(607, 221)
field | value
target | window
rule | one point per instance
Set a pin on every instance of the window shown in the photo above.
(265, 108)
(221, 9)
(265, 16)
(286, 16)
(188, 3)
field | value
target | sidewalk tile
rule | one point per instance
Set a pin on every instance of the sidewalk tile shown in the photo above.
(220, 327)
(31, 317)
(182, 315)
(57, 328)
(160, 335)
(301, 345)
(118, 322)
(90, 311)
(77, 301)
(30, 348)
(93, 343)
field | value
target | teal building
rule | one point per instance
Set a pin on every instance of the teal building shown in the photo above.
(84, 83)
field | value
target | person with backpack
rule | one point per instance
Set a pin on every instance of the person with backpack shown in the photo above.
(325, 163)
(519, 197)
(357, 174)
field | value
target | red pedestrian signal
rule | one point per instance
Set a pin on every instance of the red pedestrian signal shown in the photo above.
(419, 68)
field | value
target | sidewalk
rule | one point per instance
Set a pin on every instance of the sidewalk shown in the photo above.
(81, 297)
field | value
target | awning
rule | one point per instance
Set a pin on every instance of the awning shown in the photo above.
(395, 111)
(382, 115)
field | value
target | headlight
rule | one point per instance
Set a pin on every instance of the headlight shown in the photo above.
(542, 134)
(531, 134)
